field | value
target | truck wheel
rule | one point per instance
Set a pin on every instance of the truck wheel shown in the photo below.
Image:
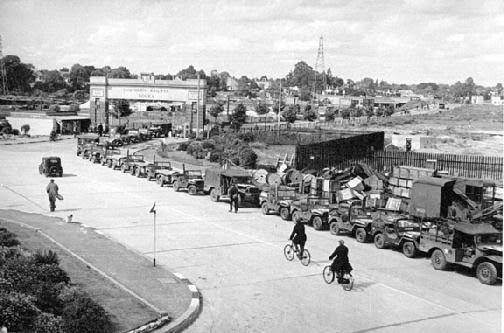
(486, 273)
(176, 186)
(123, 168)
(409, 249)
(317, 223)
(93, 159)
(285, 214)
(132, 171)
(213, 195)
(109, 163)
(160, 180)
(438, 260)
(379, 241)
(264, 208)
(296, 217)
(360, 235)
(138, 173)
(334, 228)
(192, 190)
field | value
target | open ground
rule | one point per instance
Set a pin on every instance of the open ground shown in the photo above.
(236, 260)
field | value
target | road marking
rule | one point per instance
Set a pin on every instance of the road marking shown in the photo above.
(24, 197)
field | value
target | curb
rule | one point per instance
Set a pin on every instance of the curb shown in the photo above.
(29, 142)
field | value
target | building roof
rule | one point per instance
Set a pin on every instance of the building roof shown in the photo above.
(433, 181)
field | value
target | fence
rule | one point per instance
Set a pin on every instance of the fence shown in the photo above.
(481, 167)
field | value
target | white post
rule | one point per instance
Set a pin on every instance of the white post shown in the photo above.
(279, 105)
(154, 239)
(197, 108)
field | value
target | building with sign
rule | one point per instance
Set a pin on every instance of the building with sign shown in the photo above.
(180, 103)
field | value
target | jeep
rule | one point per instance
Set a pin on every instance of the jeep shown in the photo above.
(218, 180)
(397, 231)
(191, 180)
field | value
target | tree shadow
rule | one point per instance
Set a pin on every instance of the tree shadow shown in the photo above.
(68, 175)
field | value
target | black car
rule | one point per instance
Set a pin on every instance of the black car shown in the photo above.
(51, 167)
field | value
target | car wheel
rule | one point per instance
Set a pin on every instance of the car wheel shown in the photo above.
(317, 223)
(192, 190)
(295, 216)
(409, 249)
(264, 208)
(334, 228)
(159, 180)
(379, 241)
(176, 186)
(360, 235)
(438, 260)
(138, 173)
(123, 168)
(132, 170)
(213, 195)
(486, 273)
(285, 214)
(109, 163)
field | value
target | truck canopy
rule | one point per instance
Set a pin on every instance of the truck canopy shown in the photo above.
(430, 197)
(230, 172)
(475, 229)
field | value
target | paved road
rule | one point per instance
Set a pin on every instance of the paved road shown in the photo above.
(236, 259)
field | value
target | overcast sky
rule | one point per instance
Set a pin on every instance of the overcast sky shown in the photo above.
(402, 41)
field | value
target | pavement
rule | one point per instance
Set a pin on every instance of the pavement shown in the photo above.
(237, 263)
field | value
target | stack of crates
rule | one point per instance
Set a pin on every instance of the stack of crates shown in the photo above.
(402, 179)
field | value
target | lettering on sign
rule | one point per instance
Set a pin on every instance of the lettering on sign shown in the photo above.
(97, 92)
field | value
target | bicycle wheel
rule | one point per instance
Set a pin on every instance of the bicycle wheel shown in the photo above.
(305, 259)
(328, 274)
(348, 286)
(289, 252)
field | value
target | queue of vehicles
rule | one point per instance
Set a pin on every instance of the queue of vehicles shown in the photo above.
(426, 228)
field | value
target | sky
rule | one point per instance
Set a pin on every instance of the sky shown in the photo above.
(401, 41)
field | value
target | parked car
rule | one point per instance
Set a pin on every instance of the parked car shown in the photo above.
(218, 180)
(51, 167)
(190, 180)
(476, 246)
(397, 231)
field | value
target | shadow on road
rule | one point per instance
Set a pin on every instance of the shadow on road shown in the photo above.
(68, 175)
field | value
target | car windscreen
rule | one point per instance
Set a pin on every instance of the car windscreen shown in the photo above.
(408, 225)
(489, 239)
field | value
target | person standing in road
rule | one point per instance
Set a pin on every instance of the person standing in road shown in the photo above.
(233, 197)
(52, 192)
(100, 129)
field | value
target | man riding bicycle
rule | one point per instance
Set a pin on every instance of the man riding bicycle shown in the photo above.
(298, 237)
(341, 264)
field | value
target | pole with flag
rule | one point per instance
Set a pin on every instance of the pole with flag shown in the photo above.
(153, 211)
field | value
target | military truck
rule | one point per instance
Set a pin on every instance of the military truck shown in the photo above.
(108, 154)
(51, 167)
(476, 246)
(278, 199)
(150, 169)
(128, 164)
(85, 141)
(396, 231)
(190, 180)
(217, 181)
(166, 176)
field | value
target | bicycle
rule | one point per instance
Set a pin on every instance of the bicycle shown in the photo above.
(290, 250)
(343, 277)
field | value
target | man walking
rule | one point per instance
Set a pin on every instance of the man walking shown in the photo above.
(52, 192)
(233, 197)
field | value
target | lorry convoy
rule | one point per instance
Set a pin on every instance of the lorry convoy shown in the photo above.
(436, 223)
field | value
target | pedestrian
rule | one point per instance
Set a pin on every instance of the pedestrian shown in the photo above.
(233, 197)
(52, 192)
(100, 129)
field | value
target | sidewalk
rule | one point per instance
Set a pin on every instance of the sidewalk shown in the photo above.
(164, 292)
(37, 139)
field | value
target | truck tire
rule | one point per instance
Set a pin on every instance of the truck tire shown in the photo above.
(379, 241)
(123, 168)
(360, 235)
(109, 163)
(438, 260)
(132, 170)
(264, 208)
(285, 214)
(160, 180)
(486, 273)
(334, 228)
(192, 190)
(317, 223)
(138, 173)
(176, 186)
(214, 196)
(409, 249)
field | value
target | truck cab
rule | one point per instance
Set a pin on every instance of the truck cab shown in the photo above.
(476, 246)
(218, 180)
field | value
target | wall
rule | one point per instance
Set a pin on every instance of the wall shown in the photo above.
(38, 126)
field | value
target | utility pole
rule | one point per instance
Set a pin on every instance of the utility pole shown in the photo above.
(3, 72)
(279, 109)
(197, 108)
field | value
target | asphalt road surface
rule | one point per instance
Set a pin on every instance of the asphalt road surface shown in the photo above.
(236, 260)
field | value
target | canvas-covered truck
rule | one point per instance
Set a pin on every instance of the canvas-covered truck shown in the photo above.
(278, 199)
(477, 246)
(218, 180)
(397, 231)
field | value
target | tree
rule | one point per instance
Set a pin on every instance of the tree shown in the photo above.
(79, 77)
(262, 109)
(309, 114)
(238, 116)
(19, 75)
(215, 110)
(290, 115)
(51, 81)
(121, 109)
(498, 87)
(120, 73)
(329, 114)
(469, 87)
(191, 73)
(25, 129)
(302, 76)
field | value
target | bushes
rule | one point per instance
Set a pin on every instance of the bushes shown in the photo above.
(247, 158)
(48, 323)
(17, 311)
(7, 238)
(183, 146)
(82, 315)
(246, 136)
(46, 257)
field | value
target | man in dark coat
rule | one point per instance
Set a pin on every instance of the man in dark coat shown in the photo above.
(341, 262)
(233, 197)
(52, 192)
(298, 237)
(100, 129)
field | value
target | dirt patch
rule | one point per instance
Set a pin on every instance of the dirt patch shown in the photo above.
(125, 311)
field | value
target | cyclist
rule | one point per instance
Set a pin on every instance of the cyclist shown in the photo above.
(341, 264)
(298, 237)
